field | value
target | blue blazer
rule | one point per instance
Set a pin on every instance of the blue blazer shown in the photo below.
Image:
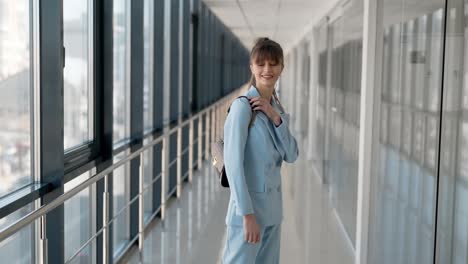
(253, 159)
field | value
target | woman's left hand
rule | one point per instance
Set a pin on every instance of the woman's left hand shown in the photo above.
(262, 104)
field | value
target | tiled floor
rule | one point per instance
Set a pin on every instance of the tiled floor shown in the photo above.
(194, 229)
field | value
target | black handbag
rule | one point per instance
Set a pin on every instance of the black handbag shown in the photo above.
(217, 153)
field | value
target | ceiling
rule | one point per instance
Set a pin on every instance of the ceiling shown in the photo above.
(284, 21)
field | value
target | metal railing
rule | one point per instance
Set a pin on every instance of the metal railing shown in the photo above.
(214, 114)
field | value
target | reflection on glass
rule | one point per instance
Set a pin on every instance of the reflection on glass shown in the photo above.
(343, 116)
(147, 181)
(75, 73)
(15, 114)
(121, 62)
(452, 231)
(403, 207)
(83, 257)
(148, 67)
(121, 194)
(18, 248)
(78, 222)
(321, 95)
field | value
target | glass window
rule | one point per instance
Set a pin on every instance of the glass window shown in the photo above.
(15, 90)
(148, 65)
(121, 98)
(78, 102)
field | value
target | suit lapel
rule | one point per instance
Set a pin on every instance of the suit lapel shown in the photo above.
(266, 121)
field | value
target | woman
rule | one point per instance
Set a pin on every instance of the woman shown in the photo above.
(253, 158)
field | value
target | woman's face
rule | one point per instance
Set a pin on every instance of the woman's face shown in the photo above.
(266, 72)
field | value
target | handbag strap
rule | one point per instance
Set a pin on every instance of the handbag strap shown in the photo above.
(252, 117)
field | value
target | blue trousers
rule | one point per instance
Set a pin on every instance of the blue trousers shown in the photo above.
(238, 251)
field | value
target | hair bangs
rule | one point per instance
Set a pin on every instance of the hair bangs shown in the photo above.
(268, 52)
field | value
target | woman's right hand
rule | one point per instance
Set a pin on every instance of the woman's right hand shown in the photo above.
(251, 229)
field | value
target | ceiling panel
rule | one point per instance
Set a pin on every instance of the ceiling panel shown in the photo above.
(282, 20)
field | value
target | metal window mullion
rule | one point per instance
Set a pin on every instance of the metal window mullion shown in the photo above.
(36, 121)
(191, 142)
(369, 125)
(106, 240)
(180, 59)
(141, 224)
(136, 80)
(103, 78)
(179, 162)
(164, 174)
(200, 141)
(51, 121)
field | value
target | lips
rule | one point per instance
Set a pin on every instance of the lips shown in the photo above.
(267, 77)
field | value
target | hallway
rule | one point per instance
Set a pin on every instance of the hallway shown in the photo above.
(194, 229)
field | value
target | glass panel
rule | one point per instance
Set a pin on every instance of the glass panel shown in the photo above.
(18, 248)
(148, 66)
(452, 230)
(83, 257)
(15, 86)
(121, 194)
(403, 210)
(77, 114)
(343, 136)
(147, 180)
(78, 220)
(121, 70)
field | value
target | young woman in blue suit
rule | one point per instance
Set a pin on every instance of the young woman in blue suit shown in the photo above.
(253, 159)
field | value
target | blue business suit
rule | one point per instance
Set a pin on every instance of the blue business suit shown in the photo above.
(253, 161)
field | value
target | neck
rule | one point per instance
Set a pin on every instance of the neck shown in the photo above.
(265, 91)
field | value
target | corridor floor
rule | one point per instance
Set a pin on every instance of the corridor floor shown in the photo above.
(194, 230)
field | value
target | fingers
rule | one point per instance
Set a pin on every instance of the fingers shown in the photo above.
(257, 103)
(249, 237)
(252, 237)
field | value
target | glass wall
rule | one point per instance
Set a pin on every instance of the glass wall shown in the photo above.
(343, 92)
(148, 65)
(78, 117)
(15, 90)
(148, 90)
(452, 228)
(404, 187)
(96, 97)
(337, 43)
(121, 62)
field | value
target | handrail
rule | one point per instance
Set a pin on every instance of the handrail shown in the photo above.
(43, 210)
